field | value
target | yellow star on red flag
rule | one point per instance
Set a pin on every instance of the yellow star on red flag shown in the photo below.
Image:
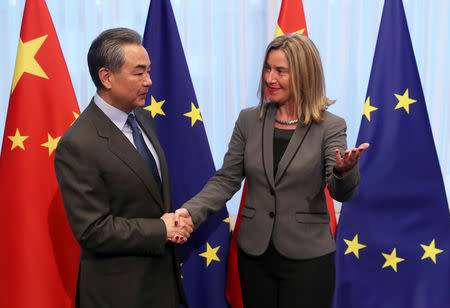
(279, 31)
(25, 61)
(51, 144)
(75, 115)
(17, 140)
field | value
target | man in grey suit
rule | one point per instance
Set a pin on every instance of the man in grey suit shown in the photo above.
(115, 185)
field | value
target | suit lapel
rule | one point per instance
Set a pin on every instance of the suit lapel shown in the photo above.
(119, 145)
(292, 149)
(146, 122)
(267, 142)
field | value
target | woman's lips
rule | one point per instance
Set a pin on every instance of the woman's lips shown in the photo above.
(272, 90)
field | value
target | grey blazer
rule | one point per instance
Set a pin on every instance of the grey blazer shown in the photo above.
(289, 207)
(114, 207)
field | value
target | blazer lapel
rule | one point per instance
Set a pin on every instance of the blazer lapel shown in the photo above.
(267, 142)
(124, 150)
(292, 149)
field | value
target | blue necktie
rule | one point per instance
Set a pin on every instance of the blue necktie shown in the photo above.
(143, 149)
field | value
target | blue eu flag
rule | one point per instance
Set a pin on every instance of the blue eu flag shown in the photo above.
(393, 235)
(174, 107)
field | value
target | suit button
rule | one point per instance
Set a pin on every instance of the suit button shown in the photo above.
(272, 192)
(272, 214)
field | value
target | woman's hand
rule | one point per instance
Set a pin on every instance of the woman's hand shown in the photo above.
(344, 163)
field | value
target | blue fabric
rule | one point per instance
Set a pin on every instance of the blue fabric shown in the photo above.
(401, 203)
(143, 149)
(188, 156)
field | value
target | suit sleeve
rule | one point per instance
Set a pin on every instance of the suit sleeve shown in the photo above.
(340, 188)
(86, 201)
(226, 182)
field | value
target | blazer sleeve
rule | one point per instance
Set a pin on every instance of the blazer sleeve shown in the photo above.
(86, 201)
(226, 182)
(341, 188)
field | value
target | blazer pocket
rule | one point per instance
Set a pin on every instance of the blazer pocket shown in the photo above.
(312, 218)
(248, 212)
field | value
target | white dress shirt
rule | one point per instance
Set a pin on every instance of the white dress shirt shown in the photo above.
(119, 118)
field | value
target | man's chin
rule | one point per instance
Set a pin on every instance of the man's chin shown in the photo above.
(140, 102)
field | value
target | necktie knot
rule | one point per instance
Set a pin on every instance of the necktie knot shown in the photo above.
(131, 120)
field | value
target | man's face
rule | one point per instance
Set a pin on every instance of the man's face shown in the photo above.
(129, 86)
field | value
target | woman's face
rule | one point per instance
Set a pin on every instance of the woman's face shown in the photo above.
(276, 77)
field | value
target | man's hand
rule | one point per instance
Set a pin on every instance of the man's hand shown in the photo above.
(347, 161)
(177, 232)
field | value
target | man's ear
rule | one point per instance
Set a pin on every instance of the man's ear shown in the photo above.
(105, 76)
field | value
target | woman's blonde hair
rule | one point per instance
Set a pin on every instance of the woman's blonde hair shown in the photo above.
(305, 73)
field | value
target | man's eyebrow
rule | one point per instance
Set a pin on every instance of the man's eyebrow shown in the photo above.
(143, 66)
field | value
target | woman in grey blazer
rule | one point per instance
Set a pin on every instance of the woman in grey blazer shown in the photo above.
(288, 148)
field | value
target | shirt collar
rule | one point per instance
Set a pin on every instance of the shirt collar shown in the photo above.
(117, 116)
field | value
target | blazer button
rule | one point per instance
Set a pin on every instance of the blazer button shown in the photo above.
(272, 192)
(272, 214)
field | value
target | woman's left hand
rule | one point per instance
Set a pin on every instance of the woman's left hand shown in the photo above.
(344, 163)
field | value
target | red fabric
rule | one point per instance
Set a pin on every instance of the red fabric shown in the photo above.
(330, 206)
(234, 294)
(291, 19)
(39, 259)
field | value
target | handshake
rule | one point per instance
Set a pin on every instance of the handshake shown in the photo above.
(179, 225)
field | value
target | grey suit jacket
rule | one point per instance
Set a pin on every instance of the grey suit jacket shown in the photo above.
(287, 208)
(114, 207)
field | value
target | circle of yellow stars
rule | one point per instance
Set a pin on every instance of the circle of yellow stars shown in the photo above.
(403, 102)
(430, 251)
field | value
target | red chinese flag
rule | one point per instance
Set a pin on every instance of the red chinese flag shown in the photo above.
(39, 258)
(290, 20)
(233, 291)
